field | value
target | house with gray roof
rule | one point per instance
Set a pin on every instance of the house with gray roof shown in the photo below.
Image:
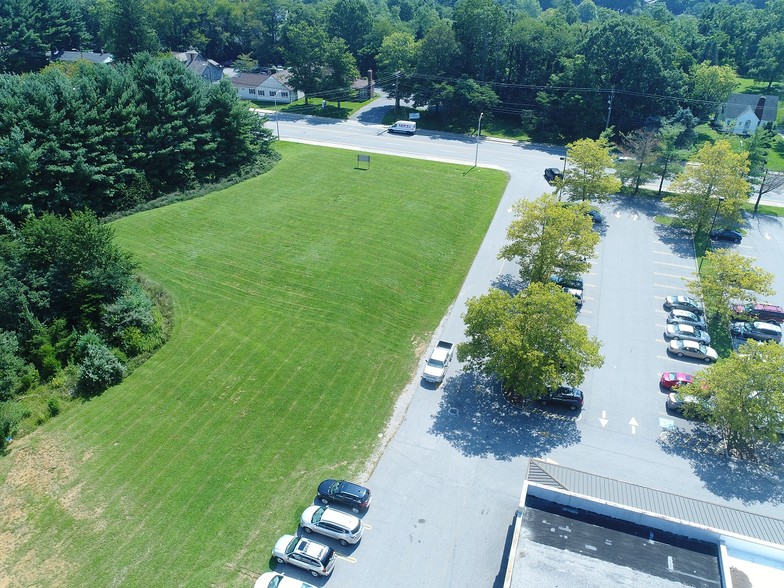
(743, 113)
(204, 68)
(91, 56)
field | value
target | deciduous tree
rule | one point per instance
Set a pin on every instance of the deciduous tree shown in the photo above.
(713, 183)
(746, 392)
(586, 176)
(546, 235)
(713, 84)
(728, 277)
(531, 340)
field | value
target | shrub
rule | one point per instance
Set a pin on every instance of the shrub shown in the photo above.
(99, 369)
(11, 414)
(12, 367)
(54, 406)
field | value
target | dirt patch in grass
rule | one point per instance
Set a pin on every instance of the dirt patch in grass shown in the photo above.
(40, 475)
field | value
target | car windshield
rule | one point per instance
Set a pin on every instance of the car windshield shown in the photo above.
(292, 544)
(317, 515)
(334, 488)
(275, 582)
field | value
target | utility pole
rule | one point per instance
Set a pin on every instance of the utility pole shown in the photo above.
(370, 83)
(609, 108)
(478, 132)
(397, 95)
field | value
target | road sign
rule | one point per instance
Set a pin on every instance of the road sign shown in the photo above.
(413, 116)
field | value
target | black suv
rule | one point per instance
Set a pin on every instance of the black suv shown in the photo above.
(576, 282)
(759, 331)
(551, 173)
(565, 396)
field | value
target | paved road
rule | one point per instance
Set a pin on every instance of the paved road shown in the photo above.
(448, 483)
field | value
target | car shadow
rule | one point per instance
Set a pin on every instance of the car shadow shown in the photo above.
(747, 481)
(477, 420)
(296, 573)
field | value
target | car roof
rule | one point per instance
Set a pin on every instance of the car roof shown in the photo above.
(311, 547)
(331, 515)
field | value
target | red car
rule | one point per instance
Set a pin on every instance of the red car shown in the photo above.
(674, 379)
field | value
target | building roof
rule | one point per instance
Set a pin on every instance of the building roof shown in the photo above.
(249, 80)
(699, 512)
(86, 55)
(738, 103)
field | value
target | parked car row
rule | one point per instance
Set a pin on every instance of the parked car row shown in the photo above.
(686, 329)
(315, 557)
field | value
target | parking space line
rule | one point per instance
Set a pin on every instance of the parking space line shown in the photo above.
(348, 558)
(674, 264)
(667, 275)
(664, 285)
(367, 527)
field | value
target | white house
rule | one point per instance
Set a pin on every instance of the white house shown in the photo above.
(266, 87)
(743, 113)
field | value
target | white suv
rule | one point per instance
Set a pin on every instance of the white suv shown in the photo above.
(317, 558)
(333, 523)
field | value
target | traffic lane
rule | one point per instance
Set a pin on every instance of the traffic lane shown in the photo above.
(440, 510)
(764, 242)
(618, 397)
(352, 134)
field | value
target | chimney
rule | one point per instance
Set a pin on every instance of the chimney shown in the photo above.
(760, 108)
(191, 55)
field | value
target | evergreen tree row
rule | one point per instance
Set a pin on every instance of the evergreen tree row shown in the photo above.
(110, 138)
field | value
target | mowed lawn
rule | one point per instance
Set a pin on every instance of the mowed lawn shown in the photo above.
(304, 299)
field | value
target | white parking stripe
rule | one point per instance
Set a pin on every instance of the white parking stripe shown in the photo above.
(674, 264)
(667, 275)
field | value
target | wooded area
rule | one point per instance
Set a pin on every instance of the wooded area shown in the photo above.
(567, 68)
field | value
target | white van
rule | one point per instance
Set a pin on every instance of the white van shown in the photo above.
(403, 126)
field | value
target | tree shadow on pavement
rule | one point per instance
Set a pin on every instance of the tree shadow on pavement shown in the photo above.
(474, 417)
(509, 284)
(748, 481)
(677, 239)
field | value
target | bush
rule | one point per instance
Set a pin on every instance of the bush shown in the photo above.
(11, 414)
(12, 366)
(99, 369)
(54, 406)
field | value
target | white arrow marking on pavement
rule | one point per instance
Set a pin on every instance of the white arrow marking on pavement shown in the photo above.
(633, 422)
(603, 420)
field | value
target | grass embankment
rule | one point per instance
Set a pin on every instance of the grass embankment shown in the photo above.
(303, 300)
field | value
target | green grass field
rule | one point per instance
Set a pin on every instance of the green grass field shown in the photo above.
(304, 299)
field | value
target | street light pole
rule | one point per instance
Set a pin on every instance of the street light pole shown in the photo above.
(713, 222)
(478, 132)
(277, 125)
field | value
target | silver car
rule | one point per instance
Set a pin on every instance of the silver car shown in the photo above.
(687, 333)
(693, 349)
(685, 317)
(315, 557)
(333, 523)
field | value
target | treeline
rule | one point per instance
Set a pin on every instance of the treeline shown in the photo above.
(566, 67)
(69, 304)
(110, 138)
